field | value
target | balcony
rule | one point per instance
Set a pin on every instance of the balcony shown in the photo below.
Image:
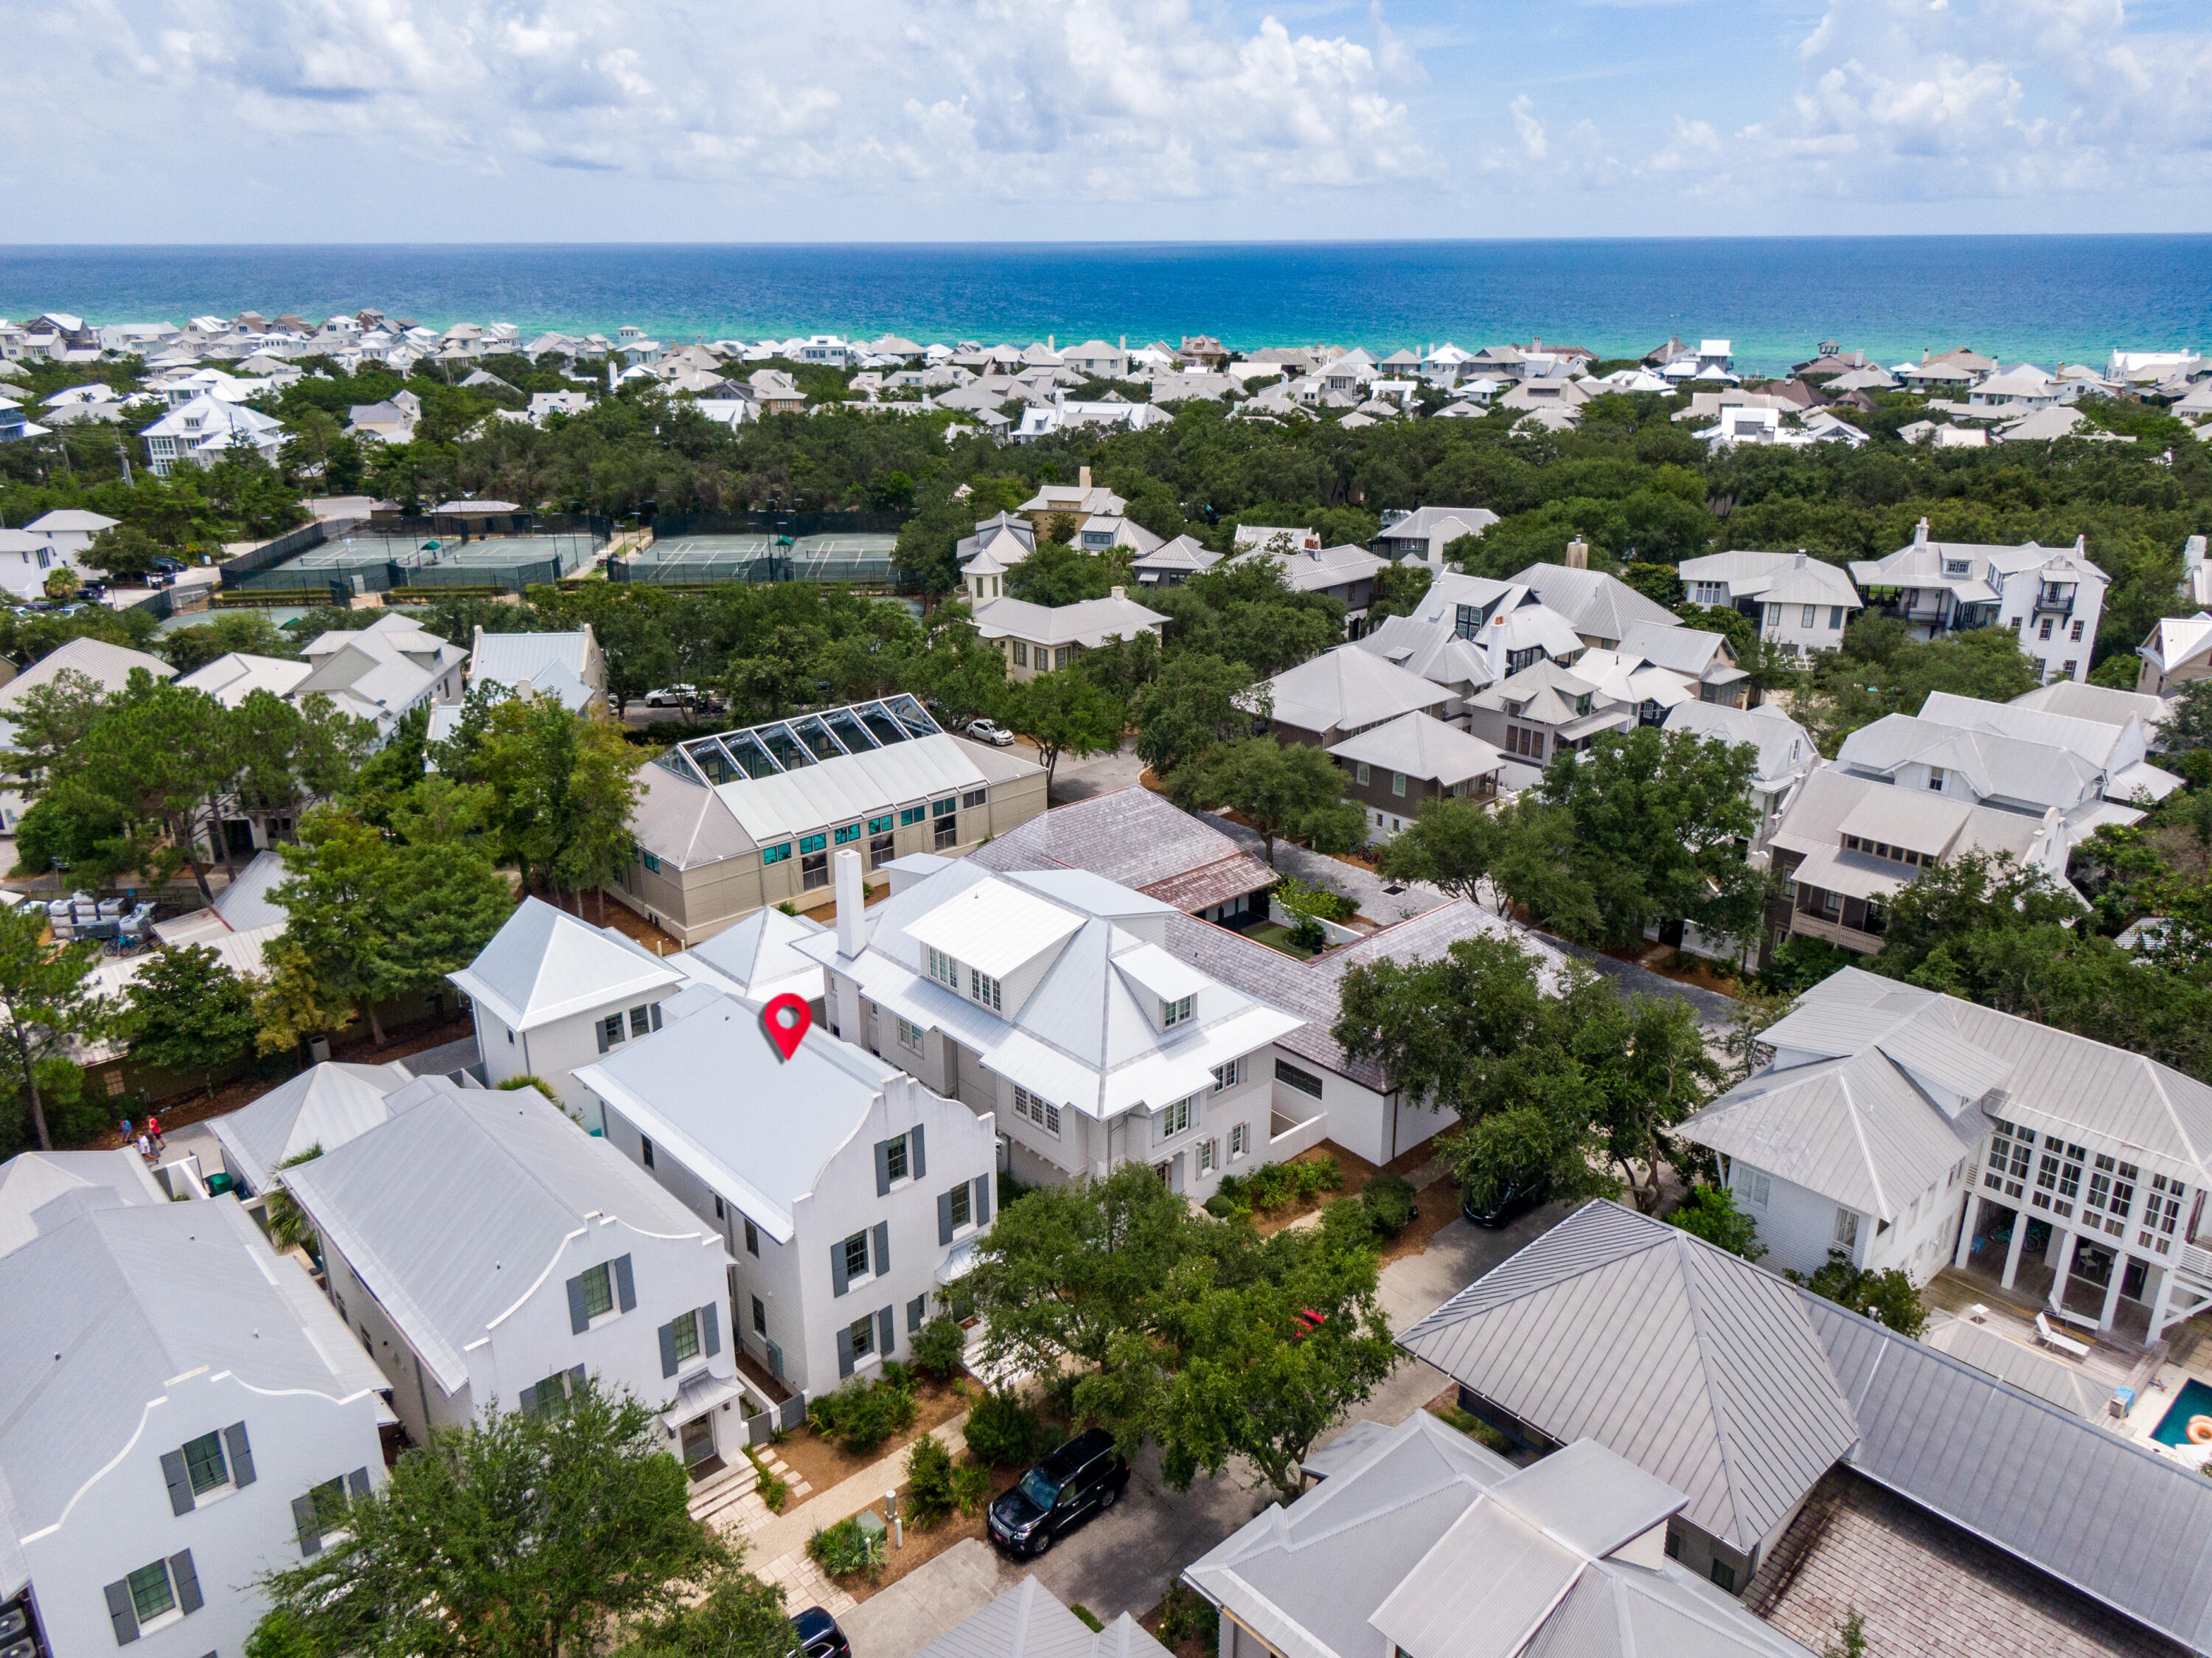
(2054, 602)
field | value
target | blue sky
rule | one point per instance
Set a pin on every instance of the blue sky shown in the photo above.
(490, 120)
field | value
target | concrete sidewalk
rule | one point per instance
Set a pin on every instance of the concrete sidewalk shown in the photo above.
(790, 1530)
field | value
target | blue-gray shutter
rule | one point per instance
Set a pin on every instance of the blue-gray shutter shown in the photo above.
(887, 1330)
(838, 1282)
(982, 1199)
(880, 1263)
(917, 1164)
(625, 1285)
(357, 1483)
(187, 1580)
(914, 1310)
(945, 1217)
(307, 1526)
(241, 1455)
(580, 1317)
(600, 1026)
(181, 1484)
(883, 1168)
(844, 1351)
(124, 1615)
(656, 1015)
(710, 1331)
(667, 1349)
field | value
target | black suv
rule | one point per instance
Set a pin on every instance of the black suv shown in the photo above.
(818, 1636)
(1521, 1194)
(1084, 1476)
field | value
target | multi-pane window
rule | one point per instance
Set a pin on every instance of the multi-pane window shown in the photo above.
(1303, 1081)
(1227, 1076)
(864, 1337)
(611, 1029)
(549, 1398)
(813, 868)
(685, 1329)
(760, 1317)
(1206, 1149)
(776, 854)
(982, 988)
(973, 797)
(909, 1036)
(640, 1020)
(752, 1239)
(599, 1291)
(882, 849)
(2161, 1213)
(151, 1592)
(856, 1256)
(2111, 1193)
(848, 834)
(945, 970)
(1758, 1190)
(910, 815)
(1847, 1230)
(1172, 1121)
(2011, 1151)
(205, 1464)
(961, 1204)
(895, 1159)
(329, 1502)
(881, 826)
(1037, 1110)
(1236, 1141)
(2058, 1176)
(1176, 1011)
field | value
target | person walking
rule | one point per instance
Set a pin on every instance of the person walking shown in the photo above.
(153, 1132)
(127, 1134)
(145, 1149)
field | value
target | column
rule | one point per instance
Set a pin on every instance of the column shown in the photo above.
(1965, 1249)
(2161, 1299)
(2111, 1306)
(2012, 1250)
(2067, 1238)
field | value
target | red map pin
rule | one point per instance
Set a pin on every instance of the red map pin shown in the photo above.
(788, 1018)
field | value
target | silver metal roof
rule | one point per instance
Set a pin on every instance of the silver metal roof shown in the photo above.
(1599, 606)
(1027, 1622)
(30, 1181)
(544, 964)
(324, 1106)
(1693, 1364)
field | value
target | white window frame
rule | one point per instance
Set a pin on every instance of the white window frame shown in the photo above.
(1207, 1151)
(1174, 1119)
(909, 1036)
(1240, 1138)
(1758, 1189)
(943, 969)
(1847, 1230)
(1177, 1012)
(1036, 1111)
(1227, 1076)
(983, 989)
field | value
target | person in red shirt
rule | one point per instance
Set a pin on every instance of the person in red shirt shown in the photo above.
(154, 1130)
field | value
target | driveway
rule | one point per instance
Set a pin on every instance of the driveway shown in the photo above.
(1100, 774)
(1715, 1011)
(1376, 903)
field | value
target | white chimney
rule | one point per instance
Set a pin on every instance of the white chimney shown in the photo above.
(851, 896)
(1920, 533)
(1117, 592)
(1578, 554)
(1083, 478)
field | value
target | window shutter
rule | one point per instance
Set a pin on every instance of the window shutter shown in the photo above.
(656, 1015)
(710, 1331)
(575, 1381)
(667, 1334)
(578, 1319)
(600, 1026)
(887, 1329)
(124, 1615)
(357, 1483)
(914, 1310)
(181, 1486)
(920, 1163)
(881, 1261)
(241, 1455)
(945, 1217)
(982, 1199)
(625, 1285)
(838, 1282)
(844, 1351)
(883, 1168)
(304, 1522)
(187, 1581)
(529, 1406)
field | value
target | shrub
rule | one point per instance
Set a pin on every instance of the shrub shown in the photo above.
(1347, 1224)
(845, 1551)
(1186, 1615)
(1886, 1297)
(938, 1346)
(1390, 1202)
(971, 1487)
(1003, 1431)
(1709, 1212)
(929, 1481)
(1316, 1175)
(861, 1415)
(773, 1489)
(1089, 1618)
(1482, 1433)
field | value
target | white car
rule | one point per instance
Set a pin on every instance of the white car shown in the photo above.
(672, 696)
(991, 732)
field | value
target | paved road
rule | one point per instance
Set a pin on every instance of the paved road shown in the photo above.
(1101, 774)
(1715, 1010)
(1124, 1560)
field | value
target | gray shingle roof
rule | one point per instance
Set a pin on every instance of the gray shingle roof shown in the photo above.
(1136, 838)
(1601, 606)
(1694, 1365)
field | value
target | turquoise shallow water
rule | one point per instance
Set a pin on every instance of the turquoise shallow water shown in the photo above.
(2043, 298)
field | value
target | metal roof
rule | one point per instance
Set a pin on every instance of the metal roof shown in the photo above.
(1088, 622)
(33, 1179)
(245, 903)
(544, 964)
(1599, 606)
(1348, 689)
(995, 926)
(1420, 745)
(755, 957)
(324, 1106)
(1027, 1622)
(1692, 1363)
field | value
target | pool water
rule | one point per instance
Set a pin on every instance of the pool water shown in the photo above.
(2194, 1399)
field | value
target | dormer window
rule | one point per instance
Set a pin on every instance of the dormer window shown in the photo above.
(1175, 1013)
(982, 988)
(945, 970)
(1958, 567)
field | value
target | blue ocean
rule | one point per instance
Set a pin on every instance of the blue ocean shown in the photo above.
(2041, 298)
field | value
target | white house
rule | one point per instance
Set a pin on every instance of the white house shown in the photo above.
(382, 672)
(206, 429)
(1047, 1001)
(849, 1194)
(1896, 1127)
(491, 1252)
(324, 1107)
(550, 993)
(1797, 601)
(1037, 638)
(2050, 597)
(569, 666)
(69, 530)
(180, 1412)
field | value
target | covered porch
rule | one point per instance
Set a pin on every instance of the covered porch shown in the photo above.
(2128, 1284)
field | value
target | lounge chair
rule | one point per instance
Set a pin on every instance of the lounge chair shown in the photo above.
(2057, 1343)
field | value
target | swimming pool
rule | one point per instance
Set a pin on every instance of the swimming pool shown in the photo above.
(2194, 1399)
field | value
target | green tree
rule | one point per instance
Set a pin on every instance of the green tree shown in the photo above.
(1197, 700)
(44, 1003)
(1057, 574)
(1452, 845)
(1887, 1297)
(1709, 1212)
(1882, 670)
(520, 1535)
(337, 900)
(50, 720)
(1280, 788)
(187, 1011)
(124, 552)
(160, 759)
(737, 1616)
(603, 794)
(1654, 1068)
(249, 632)
(1063, 713)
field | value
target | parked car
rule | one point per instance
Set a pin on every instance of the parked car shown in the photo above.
(989, 731)
(818, 1636)
(672, 696)
(1521, 1195)
(1085, 1477)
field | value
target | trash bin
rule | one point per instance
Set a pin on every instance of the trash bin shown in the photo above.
(219, 1184)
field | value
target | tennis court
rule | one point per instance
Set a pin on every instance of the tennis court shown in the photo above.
(836, 555)
(430, 551)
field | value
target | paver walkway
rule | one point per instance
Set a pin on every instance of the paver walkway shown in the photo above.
(789, 1530)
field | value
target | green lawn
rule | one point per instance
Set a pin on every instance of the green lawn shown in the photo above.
(1277, 936)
